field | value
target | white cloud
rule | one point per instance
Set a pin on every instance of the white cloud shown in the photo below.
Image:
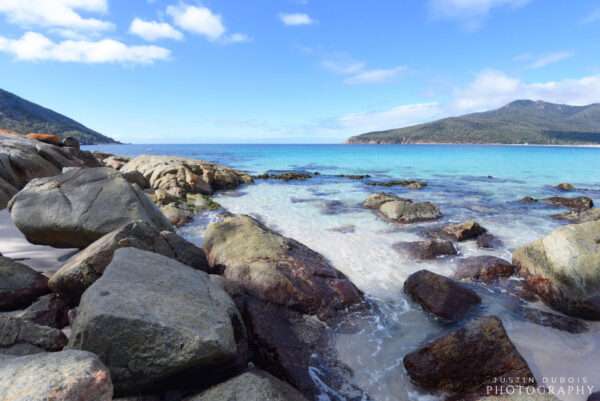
(543, 60)
(153, 30)
(56, 14)
(470, 12)
(34, 46)
(296, 19)
(237, 38)
(356, 72)
(400, 116)
(198, 20)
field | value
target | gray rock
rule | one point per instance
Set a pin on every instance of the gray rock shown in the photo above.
(254, 385)
(374, 201)
(74, 209)
(428, 249)
(410, 212)
(50, 310)
(464, 231)
(16, 332)
(20, 285)
(84, 268)
(135, 177)
(152, 319)
(60, 376)
(579, 216)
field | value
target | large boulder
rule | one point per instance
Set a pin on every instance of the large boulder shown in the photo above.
(180, 176)
(277, 269)
(76, 208)
(441, 296)
(476, 359)
(483, 268)
(59, 376)
(254, 385)
(20, 285)
(155, 321)
(84, 268)
(563, 269)
(20, 336)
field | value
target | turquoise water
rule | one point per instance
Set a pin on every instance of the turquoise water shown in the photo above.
(466, 182)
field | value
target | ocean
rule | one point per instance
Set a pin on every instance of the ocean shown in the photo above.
(467, 182)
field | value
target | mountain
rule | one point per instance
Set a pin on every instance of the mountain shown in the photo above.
(520, 122)
(23, 117)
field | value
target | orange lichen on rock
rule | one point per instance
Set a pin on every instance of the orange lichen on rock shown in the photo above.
(48, 138)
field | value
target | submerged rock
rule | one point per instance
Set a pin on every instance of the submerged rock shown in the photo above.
(287, 176)
(428, 249)
(579, 216)
(553, 320)
(254, 385)
(440, 295)
(565, 186)
(488, 241)
(476, 359)
(60, 376)
(562, 269)
(577, 203)
(18, 334)
(153, 321)
(464, 231)
(74, 209)
(411, 184)
(20, 285)
(84, 268)
(483, 268)
(276, 269)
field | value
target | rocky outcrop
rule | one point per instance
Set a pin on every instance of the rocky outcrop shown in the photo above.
(428, 249)
(577, 203)
(180, 176)
(19, 336)
(579, 216)
(402, 210)
(22, 160)
(254, 385)
(410, 184)
(483, 268)
(441, 296)
(84, 268)
(76, 208)
(153, 320)
(464, 231)
(276, 269)
(562, 269)
(476, 359)
(20, 285)
(64, 376)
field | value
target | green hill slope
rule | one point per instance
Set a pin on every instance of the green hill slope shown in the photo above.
(520, 122)
(23, 117)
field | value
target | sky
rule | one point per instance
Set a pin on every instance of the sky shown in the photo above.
(292, 71)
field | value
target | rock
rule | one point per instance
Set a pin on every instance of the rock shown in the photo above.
(179, 176)
(287, 176)
(577, 203)
(156, 322)
(558, 322)
(488, 241)
(178, 214)
(440, 295)
(71, 142)
(428, 249)
(61, 376)
(20, 285)
(50, 310)
(579, 216)
(411, 184)
(74, 209)
(46, 138)
(410, 212)
(562, 269)
(116, 162)
(565, 186)
(528, 199)
(15, 332)
(468, 360)
(354, 176)
(135, 177)
(7, 191)
(483, 268)
(84, 268)
(376, 200)
(254, 385)
(277, 269)
(464, 231)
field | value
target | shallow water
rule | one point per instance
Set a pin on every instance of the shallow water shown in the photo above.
(481, 182)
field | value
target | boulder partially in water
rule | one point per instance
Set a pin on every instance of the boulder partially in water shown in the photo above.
(476, 359)
(20, 285)
(275, 268)
(410, 212)
(562, 269)
(576, 203)
(464, 231)
(410, 184)
(154, 321)
(483, 268)
(61, 376)
(76, 208)
(579, 216)
(565, 186)
(441, 296)
(427, 249)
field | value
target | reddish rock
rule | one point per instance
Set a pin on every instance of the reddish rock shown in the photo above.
(483, 268)
(46, 138)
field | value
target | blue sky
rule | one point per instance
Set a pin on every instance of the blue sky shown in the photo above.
(292, 71)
